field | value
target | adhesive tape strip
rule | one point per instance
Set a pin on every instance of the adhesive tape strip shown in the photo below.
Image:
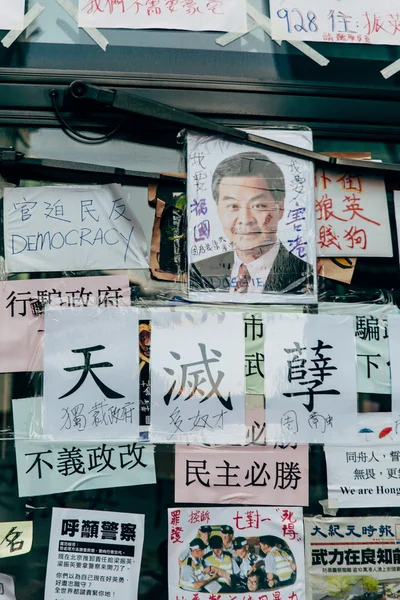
(29, 17)
(94, 33)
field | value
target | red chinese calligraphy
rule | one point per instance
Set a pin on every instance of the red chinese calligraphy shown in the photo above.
(350, 182)
(327, 237)
(355, 208)
(324, 209)
(356, 237)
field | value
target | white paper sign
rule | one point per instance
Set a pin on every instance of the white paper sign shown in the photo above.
(336, 21)
(45, 467)
(310, 378)
(68, 228)
(91, 374)
(372, 342)
(99, 538)
(251, 226)
(197, 375)
(352, 215)
(12, 14)
(363, 476)
(7, 587)
(196, 15)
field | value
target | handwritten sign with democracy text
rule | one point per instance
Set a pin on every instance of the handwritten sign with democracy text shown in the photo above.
(196, 15)
(71, 228)
(336, 21)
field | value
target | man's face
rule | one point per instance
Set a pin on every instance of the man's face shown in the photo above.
(242, 552)
(252, 583)
(227, 538)
(205, 536)
(265, 548)
(248, 212)
(198, 553)
(218, 552)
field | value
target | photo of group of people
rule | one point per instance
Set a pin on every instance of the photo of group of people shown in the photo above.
(218, 560)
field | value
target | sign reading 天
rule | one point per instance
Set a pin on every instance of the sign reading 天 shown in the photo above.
(86, 545)
(234, 475)
(336, 21)
(236, 552)
(70, 228)
(22, 306)
(359, 476)
(91, 374)
(352, 215)
(196, 15)
(15, 538)
(356, 557)
(46, 467)
(251, 226)
(310, 384)
(197, 378)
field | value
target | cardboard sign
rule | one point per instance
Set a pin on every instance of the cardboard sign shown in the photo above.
(22, 306)
(91, 374)
(352, 215)
(72, 228)
(338, 269)
(112, 542)
(15, 539)
(233, 475)
(235, 552)
(196, 15)
(340, 21)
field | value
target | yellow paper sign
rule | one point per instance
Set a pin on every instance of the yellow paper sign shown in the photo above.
(15, 538)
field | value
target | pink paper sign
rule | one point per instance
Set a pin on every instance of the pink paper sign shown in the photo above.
(241, 475)
(22, 304)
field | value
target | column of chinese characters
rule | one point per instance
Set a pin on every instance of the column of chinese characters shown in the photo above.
(297, 212)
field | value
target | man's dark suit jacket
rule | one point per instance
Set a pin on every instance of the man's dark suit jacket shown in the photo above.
(288, 274)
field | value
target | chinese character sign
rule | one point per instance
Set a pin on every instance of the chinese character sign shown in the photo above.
(71, 228)
(251, 227)
(99, 551)
(356, 557)
(91, 374)
(22, 306)
(310, 382)
(196, 15)
(352, 215)
(237, 552)
(15, 538)
(45, 467)
(342, 21)
(363, 476)
(233, 475)
(197, 378)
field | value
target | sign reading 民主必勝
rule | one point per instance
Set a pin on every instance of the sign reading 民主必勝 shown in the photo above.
(357, 557)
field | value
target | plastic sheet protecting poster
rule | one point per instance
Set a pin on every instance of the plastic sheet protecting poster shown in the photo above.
(72, 228)
(197, 378)
(310, 383)
(212, 551)
(22, 305)
(45, 467)
(352, 215)
(7, 587)
(91, 374)
(220, 15)
(16, 538)
(394, 345)
(232, 475)
(97, 536)
(363, 476)
(352, 557)
(251, 227)
(341, 21)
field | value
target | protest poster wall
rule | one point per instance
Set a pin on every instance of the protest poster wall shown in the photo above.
(341, 21)
(251, 228)
(45, 467)
(352, 557)
(22, 306)
(91, 374)
(197, 395)
(362, 476)
(16, 538)
(236, 475)
(235, 552)
(112, 542)
(219, 15)
(352, 215)
(310, 383)
(72, 228)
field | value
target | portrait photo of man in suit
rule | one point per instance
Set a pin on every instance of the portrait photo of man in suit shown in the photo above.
(249, 191)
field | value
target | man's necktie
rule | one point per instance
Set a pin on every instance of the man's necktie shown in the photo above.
(243, 280)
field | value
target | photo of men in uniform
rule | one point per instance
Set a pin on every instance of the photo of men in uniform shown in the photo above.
(249, 190)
